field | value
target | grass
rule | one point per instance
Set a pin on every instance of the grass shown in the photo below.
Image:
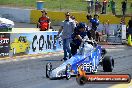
(62, 5)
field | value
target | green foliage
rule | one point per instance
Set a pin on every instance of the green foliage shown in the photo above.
(63, 5)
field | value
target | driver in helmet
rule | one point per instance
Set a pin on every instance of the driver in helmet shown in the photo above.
(77, 37)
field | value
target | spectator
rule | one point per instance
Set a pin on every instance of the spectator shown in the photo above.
(95, 23)
(92, 6)
(89, 6)
(130, 26)
(74, 19)
(67, 28)
(124, 7)
(44, 22)
(106, 26)
(100, 6)
(89, 18)
(77, 37)
(104, 6)
(123, 20)
(112, 5)
(96, 7)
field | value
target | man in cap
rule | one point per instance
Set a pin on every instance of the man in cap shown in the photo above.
(124, 7)
(67, 27)
(74, 19)
(44, 22)
(105, 2)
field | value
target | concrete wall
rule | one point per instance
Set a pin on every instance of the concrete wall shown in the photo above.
(16, 14)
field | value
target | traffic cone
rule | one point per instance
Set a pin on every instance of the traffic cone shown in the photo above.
(129, 40)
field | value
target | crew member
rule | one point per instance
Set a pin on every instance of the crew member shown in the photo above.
(95, 23)
(77, 37)
(67, 28)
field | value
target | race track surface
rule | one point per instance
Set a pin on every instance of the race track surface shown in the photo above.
(31, 73)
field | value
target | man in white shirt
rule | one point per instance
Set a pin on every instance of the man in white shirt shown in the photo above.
(67, 27)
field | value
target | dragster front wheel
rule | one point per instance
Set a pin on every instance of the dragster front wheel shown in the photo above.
(68, 71)
(48, 69)
(108, 64)
(81, 80)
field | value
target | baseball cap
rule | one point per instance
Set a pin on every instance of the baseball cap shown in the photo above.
(43, 11)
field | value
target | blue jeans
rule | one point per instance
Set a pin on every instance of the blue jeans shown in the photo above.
(66, 47)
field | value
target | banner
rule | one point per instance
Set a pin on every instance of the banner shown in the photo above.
(4, 44)
(113, 32)
(34, 43)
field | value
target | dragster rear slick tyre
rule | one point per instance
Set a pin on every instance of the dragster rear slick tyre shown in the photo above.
(108, 64)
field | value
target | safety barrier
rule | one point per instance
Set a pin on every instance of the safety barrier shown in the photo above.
(12, 44)
(35, 41)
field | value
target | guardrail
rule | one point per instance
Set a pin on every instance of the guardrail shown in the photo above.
(12, 44)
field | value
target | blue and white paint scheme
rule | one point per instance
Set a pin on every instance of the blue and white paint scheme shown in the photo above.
(89, 56)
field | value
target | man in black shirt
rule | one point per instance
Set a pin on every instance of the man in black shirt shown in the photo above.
(77, 37)
(124, 7)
